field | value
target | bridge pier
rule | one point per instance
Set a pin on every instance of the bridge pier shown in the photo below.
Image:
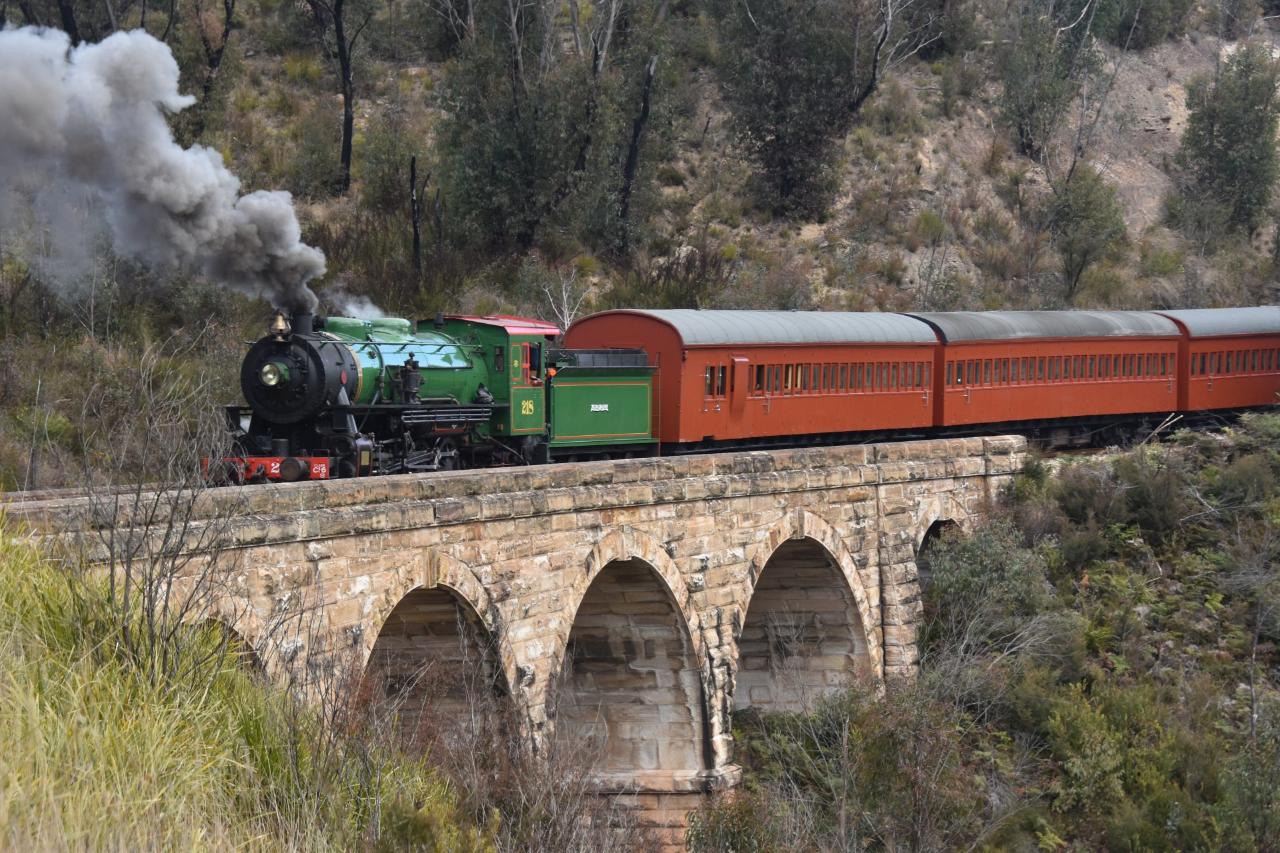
(631, 605)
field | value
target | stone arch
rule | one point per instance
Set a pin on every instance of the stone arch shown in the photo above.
(932, 535)
(436, 569)
(937, 513)
(433, 646)
(630, 544)
(249, 656)
(245, 628)
(804, 631)
(804, 525)
(631, 689)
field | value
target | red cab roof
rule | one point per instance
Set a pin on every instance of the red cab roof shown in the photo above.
(513, 325)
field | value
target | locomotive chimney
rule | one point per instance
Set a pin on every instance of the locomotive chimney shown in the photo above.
(279, 328)
(303, 323)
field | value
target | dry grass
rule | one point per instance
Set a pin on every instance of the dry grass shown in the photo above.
(95, 756)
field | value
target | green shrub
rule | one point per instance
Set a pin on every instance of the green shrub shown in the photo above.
(1228, 151)
(982, 586)
(1140, 24)
(299, 68)
(731, 824)
(1087, 224)
(384, 166)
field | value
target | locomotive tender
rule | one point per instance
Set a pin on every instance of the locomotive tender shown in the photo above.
(342, 397)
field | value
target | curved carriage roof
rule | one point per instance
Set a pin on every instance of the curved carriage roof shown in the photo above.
(713, 328)
(1011, 325)
(1211, 322)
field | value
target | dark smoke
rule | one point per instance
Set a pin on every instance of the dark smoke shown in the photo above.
(87, 127)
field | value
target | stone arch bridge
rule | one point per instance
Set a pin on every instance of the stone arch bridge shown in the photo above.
(634, 604)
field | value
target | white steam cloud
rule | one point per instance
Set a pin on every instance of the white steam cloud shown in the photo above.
(87, 126)
(360, 307)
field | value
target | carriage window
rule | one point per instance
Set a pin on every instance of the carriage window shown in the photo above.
(1229, 362)
(720, 381)
(925, 381)
(759, 384)
(986, 372)
(959, 373)
(844, 376)
(1068, 367)
(893, 375)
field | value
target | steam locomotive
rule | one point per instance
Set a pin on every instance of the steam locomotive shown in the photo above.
(344, 397)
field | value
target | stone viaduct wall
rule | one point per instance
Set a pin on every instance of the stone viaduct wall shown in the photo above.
(631, 604)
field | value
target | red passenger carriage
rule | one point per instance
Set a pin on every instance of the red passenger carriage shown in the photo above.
(741, 376)
(1004, 367)
(1230, 357)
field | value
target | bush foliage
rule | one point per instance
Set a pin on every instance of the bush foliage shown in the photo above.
(1098, 672)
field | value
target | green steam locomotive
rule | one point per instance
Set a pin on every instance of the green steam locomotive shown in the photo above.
(346, 397)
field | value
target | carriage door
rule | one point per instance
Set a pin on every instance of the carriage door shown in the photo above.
(739, 385)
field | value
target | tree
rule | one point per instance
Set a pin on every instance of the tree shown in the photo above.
(213, 43)
(1086, 222)
(340, 43)
(550, 111)
(795, 75)
(1042, 65)
(1228, 152)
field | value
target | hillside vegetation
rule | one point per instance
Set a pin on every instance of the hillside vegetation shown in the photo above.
(572, 156)
(1099, 672)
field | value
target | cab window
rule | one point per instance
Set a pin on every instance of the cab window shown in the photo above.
(534, 354)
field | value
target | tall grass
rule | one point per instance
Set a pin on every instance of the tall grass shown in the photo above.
(95, 756)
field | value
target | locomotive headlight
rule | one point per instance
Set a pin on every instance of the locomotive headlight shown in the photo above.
(273, 374)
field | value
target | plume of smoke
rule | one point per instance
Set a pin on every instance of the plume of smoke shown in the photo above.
(88, 126)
